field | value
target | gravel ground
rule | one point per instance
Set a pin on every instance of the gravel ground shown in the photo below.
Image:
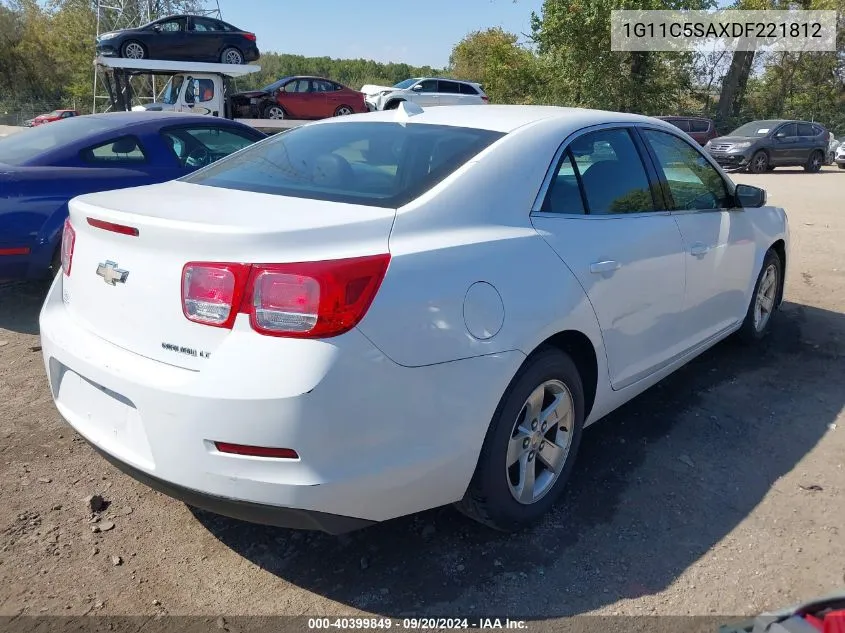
(719, 491)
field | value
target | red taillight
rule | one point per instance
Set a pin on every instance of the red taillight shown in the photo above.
(485, 98)
(250, 36)
(114, 228)
(68, 242)
(299, 300)
(210, 292)
(256, 451)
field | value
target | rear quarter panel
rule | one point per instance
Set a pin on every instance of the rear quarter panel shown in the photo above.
(475, 227)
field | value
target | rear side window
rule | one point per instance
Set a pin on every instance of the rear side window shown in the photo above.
(611, 174)
(681, 124)
(126, 149)
(466, 89)
(697, 125)
(379, 164)
(806, 129)
(450, 87)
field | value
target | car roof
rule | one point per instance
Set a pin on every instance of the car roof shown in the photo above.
(502, 118)
(120, 119)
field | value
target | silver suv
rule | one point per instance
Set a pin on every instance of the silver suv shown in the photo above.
(426, 92)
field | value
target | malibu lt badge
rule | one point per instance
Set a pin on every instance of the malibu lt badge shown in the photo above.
(111, 274)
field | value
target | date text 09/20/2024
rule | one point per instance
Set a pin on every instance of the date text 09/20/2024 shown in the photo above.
(418, 624)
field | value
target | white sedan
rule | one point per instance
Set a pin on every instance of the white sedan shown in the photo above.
(374, 315)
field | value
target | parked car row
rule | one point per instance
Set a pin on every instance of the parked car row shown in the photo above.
(761, 146)
(50, 117)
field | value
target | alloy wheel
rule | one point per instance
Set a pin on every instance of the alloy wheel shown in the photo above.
(275, 112)
(133, 50)
(540, 442)
(233, 57)
(764, 303)
(343, 111)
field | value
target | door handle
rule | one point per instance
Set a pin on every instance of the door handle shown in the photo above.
(699, 249)
(607, 266)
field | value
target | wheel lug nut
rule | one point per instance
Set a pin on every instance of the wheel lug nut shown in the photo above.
(534, 424)
(531, 456)
(544, 426)
(526, 442)
(542, 445)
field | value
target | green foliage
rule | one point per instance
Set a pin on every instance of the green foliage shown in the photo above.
(47, 46)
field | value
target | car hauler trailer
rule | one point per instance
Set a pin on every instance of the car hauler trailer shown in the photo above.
(201, 88)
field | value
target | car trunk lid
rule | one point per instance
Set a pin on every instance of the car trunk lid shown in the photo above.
(131, 246)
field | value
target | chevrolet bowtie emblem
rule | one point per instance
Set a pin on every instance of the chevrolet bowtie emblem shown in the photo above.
(111, 274)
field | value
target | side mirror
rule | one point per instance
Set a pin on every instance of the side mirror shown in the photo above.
(780, 135)
(750, 197)
(417, 88)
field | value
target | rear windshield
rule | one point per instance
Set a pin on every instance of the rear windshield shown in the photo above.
(380, 164)
(23, 146)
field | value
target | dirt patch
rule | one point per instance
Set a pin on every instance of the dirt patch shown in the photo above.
(719, 491)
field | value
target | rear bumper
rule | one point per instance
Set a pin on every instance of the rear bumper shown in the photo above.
(375, 440)
(251, 54)
(242, 510)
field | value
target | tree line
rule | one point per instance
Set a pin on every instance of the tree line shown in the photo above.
(46, 53)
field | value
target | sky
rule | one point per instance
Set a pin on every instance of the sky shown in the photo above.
(416, 32)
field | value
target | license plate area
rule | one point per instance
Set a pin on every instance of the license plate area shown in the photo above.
(106, 418)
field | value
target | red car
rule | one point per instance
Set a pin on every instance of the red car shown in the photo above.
(55, 115)
(299, 98)
(699, 128)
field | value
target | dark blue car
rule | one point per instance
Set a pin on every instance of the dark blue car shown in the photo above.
(43, 168)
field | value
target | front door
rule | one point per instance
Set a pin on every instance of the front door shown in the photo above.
(719, 240)
(602, 215)
(786, 150)
(426, 93)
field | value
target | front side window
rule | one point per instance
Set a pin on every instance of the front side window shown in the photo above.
(297, 85)
(429, 85)
(172, 26)
(198, 146)
(790, 130)
(202, 89)
(126, 149)
(693, 182)
(170, 94)
(611, 173)
(381, 164)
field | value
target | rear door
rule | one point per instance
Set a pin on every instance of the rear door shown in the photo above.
(170, 40)
(699, 130)
(206, 37)
(718, 238)
(331, 96)
(808, 140)
(450, 93)
(603, 214)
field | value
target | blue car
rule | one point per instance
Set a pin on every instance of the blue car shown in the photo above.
(43, 168)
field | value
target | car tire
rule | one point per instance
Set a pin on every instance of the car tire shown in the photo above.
(497, 495)
(275, 111)
(133, 49)
(232, 55)
(840, 165)
(759, 162)
(756, 325)
(815, 162)
(344, 110)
